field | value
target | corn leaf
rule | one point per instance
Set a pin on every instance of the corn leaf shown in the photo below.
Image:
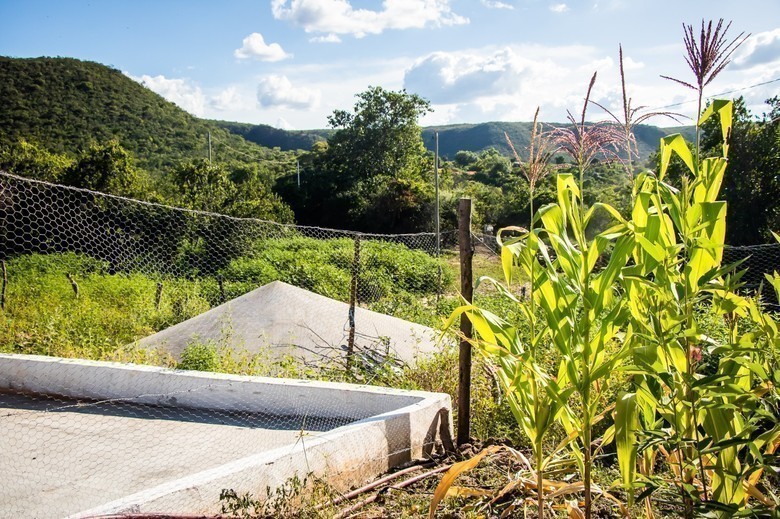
(626, 426)
(675, 144)
(452, 474)
(724, 108)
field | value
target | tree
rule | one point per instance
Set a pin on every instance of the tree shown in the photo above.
(492, 168)
(203, 186)
(381, 136)
(374, 174)
(105, 167)
(752, 183)
(30, 160)
(465, 158)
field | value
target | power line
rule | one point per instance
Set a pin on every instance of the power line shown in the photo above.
(721, 94)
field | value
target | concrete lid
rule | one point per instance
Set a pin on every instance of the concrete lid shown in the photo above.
(282, 320)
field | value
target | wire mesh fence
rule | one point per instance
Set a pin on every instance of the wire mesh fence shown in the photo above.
(755, 260)
(189, 262)
(93, 276)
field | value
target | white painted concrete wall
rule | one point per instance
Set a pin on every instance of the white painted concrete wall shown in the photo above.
(391, 426)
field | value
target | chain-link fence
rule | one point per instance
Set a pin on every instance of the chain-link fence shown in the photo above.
(756, 261)
(92, 276)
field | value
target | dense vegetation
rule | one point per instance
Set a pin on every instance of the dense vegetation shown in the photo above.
(88, 125)
(752, 187)
(453, 138)
(66, 104)
(45, 314)
(373, 174)
(270, 137)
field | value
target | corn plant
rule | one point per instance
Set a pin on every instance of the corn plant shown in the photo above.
(580, 313)
(707, 406)
(524, 378)
(715, 423)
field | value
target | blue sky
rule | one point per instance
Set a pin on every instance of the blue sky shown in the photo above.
(290, 63)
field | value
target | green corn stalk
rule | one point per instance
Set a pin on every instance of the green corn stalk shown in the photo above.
(715, 419)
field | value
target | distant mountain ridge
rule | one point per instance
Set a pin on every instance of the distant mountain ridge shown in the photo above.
(65, 104)
(271, 137)
(452, 138)
(481, 136)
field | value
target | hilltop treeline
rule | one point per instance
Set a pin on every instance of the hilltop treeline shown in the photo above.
(89, 125)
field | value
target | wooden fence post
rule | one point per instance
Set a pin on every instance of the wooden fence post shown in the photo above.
(352, 303)
(158, 295)
(467, 290)
(5, 282)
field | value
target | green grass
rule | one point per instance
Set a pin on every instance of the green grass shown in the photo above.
(43, 315)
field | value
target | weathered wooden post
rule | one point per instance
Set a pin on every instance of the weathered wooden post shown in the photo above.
(352, 303)
(467, 290)
(158, 295)
(5, 283)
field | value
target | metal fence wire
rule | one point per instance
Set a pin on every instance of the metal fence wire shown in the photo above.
(94, 276)
(756, 261)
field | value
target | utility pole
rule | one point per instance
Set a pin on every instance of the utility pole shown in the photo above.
(436, 175)
(209, 147)
(298, 171)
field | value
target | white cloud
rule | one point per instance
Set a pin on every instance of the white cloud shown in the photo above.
(230, 99)
(182, 92)
(495, 4)
(759, 49)
(339, 17)
(254, 46)
(559, 8)
(283, 124)
(458, 77)
(275, 90)
(508, 83)
(330, 38)
(631, 64)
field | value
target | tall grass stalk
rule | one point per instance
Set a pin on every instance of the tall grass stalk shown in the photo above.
(706, 56)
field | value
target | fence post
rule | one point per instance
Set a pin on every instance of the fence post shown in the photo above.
(352, 302)
(5, 282)
(466, 290)
(158, 295)
(221, 283)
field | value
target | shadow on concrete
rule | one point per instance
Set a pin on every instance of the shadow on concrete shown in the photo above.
(11, 401)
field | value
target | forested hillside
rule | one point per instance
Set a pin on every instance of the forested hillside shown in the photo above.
(452, 138)
(88, 125)
(66, 104)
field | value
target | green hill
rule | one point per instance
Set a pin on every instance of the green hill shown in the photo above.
(452, 138)
(271, 137)
(478, 137)
(65, 104)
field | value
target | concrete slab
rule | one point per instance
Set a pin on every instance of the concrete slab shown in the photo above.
(282, 320)
(85, 438)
